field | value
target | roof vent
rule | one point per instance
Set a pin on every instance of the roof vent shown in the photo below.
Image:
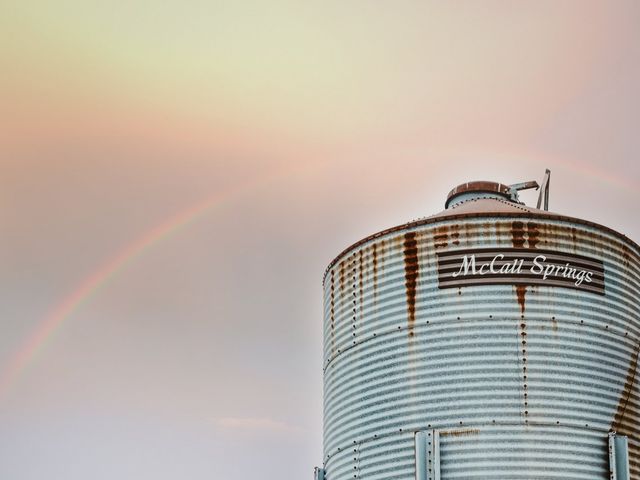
(483, 189)
(476, 190)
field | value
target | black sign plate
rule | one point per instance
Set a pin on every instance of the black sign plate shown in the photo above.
(519, 266)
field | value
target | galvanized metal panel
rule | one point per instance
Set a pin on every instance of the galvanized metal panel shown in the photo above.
(402, 355)
(495, 452)
(523, 452)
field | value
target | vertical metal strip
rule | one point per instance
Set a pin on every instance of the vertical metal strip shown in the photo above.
(421, 455)
(613, 475)
(433, 457)
(622, 457)
(436, 455)
(618, 457)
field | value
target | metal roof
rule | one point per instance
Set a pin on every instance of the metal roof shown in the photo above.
(483, 207)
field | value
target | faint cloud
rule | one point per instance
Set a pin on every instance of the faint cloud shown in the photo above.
(255, 424)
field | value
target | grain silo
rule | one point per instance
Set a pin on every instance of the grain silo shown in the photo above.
(490, 341)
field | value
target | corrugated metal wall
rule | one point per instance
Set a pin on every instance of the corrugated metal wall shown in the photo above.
(401, 355)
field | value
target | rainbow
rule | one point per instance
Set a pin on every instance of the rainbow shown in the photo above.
(35, 341)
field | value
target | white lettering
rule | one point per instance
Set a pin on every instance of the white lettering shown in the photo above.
(580, 278)
(517, 267)
(493, 270)
(537, 267)
(466, 265)
(548, 271)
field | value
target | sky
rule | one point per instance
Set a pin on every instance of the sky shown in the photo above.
(175, 177)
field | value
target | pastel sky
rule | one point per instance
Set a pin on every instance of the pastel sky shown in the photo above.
(175, 177)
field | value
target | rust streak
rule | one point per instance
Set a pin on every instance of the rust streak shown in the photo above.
(333, 325)
(441, 237)
(375, 271)
(455, 234)
(517, 238)
(461, 432)
(521, 291)
(361, 283)
(525, 365)
(532, 234)
(517, 234)
(626, 391)
(411, 276)
(375, 261)
(468, 232)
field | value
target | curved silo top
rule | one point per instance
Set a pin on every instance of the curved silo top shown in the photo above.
(483, 199)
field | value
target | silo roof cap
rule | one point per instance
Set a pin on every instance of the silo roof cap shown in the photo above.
(479, 187)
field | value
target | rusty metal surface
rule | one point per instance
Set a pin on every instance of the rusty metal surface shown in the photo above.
(531, 368)
(478, 186)
(483, 208)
